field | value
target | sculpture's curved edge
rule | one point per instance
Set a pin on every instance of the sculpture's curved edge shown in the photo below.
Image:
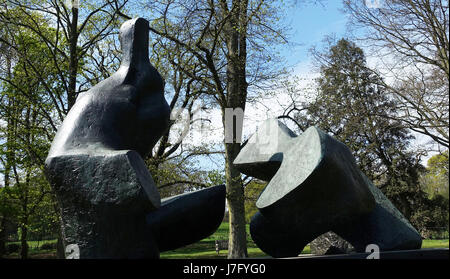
(261, 170)
(274, 239)
(187, 218)
(381, 228)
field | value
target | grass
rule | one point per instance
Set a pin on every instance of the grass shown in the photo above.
(35, 245)
(35, 251)
(204, 249)
(435, 243)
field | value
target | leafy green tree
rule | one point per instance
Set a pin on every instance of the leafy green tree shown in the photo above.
(435, 180)
(23, 107)
(78, 27)
(32, 199)
(45, 45)
(44, 222)
(252, 191)
(433, 217)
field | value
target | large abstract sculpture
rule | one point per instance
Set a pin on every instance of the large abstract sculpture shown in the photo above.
(108, 199)
(316, 187)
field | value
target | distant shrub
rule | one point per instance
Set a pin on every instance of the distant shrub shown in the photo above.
(12, 248)
(48, 246)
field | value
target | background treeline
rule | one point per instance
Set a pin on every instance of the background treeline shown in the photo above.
(220, 54)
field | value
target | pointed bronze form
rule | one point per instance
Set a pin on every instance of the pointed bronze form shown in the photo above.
(385, 226)
(110, 206)
(95, 162)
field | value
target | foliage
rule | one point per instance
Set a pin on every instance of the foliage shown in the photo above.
(177, 176)
(6, 208)
(435, 180)
(34, 208)
(433, 218)
(252, 192)
(25, 108)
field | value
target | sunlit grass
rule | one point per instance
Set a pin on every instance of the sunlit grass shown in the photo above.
(435, 243)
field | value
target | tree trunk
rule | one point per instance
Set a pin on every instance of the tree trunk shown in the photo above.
(10, 156)
(237, 247)
(60, 249)
(3, 237)
(60, 252)
(73, 60)
(23, 242)
(236, 98)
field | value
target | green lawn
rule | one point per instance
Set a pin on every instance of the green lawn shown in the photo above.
(205, 249)
(35, 251)
(435, 243)
(36, 245)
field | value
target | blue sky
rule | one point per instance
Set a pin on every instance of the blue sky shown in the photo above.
(310, 23)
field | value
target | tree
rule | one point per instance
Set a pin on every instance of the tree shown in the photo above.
(5, 66)
(177, 176)
(435, 180)
(77, 27)
(412, 36)
(252, 191)
(65, 33)
(221, 36)
(352, 106)
(433, 216)
(26, 145)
